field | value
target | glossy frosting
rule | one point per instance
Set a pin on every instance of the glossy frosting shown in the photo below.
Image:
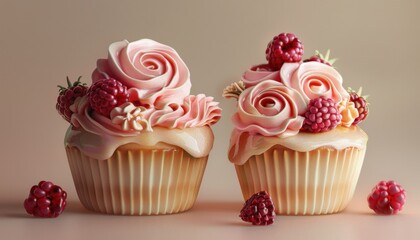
(152, 72)
(160, 111)
(258, 73)
(128, 120)
(196, 141)
(313, 80)
(243, 144)
(270, 109)
(195, 111)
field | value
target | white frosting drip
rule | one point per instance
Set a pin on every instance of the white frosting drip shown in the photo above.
(244, 145)
(196, 141)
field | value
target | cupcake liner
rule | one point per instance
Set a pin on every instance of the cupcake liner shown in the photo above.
(321, 181)
(135, 181)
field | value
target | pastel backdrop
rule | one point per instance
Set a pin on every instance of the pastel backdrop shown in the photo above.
(42, 42)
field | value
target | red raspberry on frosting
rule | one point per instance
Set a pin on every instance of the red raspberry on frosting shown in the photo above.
(285, 47)
(318, 57)
(106, 94)
(322, 115)
(360, 104)
(67, 97)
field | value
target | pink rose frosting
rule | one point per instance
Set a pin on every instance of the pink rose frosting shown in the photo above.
(196, 111)
(128, 120)
(152, 72)
(313, 80)
(258, 73)
(271, 109)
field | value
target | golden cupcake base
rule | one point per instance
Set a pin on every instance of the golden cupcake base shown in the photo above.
(321, 181)
(136, 181)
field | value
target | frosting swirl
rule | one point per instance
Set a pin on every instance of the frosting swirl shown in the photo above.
(196, 111)
(84, 117)
(313, 80)
(152, 72)
(130, 117)
(258, 73)
(129, 120)
(270, 109)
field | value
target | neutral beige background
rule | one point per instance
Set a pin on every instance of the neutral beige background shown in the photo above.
(41, 42)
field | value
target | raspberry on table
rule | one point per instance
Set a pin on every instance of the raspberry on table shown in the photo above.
(258, 209)
(68, 95)
(285, 47)
(106, 94)
(46, 200)
(360, 104)
(387, 198)
(322, 115)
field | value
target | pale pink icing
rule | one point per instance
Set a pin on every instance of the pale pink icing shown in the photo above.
(270, 109)
(244, 145)
(314, 79)
(84, 117)
(195, 111)
(160, 112)
(153, 72)
(258, 73)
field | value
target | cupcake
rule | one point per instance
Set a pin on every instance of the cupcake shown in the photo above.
(296, 132)
(138, 142)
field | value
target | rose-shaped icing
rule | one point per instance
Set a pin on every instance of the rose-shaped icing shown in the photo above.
(348, 112)
(152, 72)
(130, 117)
(313, 80)
(258, 73)
(196, 111)
(271, 109)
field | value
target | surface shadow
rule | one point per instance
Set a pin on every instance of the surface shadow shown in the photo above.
(13, 209)
(217, 206)
(77, 207)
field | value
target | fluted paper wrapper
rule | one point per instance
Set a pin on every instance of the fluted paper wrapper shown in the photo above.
(321, 181)
(135, 181)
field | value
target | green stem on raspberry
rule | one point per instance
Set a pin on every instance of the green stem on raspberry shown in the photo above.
(69, 85)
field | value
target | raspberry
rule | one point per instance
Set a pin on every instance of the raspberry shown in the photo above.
(106, 94)
(258, 209)
(322, 115)
(67, 97)
(387, 198)
(360, 104)
(46, 200)
(285, 47)
(318, 57)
